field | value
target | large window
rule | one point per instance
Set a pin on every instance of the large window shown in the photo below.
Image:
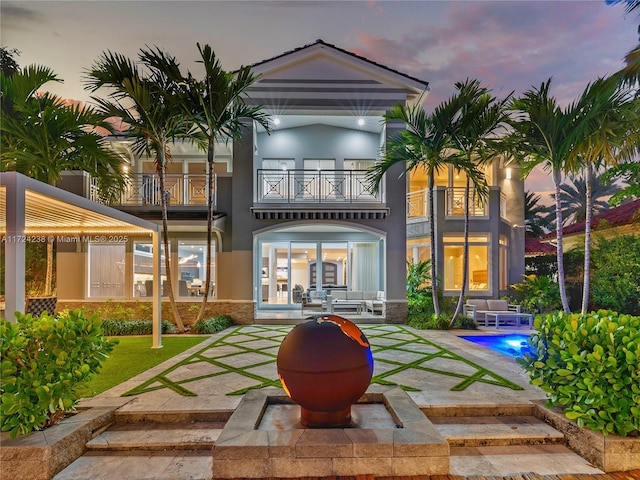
(106, 270)
(504, 263)
(192, 268)
(143, 270)
(478, 273)
(289, 268)
(418, 250)
(446, 176)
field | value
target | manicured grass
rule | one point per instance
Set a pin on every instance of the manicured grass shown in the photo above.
(133, 355)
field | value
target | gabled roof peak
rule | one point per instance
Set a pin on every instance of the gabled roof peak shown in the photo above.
(343, 51)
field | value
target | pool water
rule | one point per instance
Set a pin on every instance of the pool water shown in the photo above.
(513, 345)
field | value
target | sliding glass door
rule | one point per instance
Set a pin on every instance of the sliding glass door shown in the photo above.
(289, 269)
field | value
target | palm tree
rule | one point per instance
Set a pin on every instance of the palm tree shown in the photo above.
(144, 100)
(544, 134)
(574, 199)
(630, 74)
(535, 215)
(42, 136)
(473, 138)
(215, 106)
(424, 143)
(591, 130)
(612, 117)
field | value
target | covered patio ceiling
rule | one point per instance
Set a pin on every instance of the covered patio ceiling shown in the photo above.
(30, 209)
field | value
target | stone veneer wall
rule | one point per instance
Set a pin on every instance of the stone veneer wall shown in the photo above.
(39, 455)
(610, 453)
(242, 312)
(396, 312)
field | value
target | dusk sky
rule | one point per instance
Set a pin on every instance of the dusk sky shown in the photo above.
(507, 45)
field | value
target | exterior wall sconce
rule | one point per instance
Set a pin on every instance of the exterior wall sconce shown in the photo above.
(508, 174)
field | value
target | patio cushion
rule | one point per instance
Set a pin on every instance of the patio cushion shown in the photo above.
(497, 305)
(480, 304)
(339, 294)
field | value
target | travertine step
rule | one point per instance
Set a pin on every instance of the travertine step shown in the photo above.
(140, 465)
(513, 461)
(157, 436)
(496, 431)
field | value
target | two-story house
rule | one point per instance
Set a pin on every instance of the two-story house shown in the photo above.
(294, 212)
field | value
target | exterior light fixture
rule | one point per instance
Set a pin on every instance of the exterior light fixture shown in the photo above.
(361, 121)
(276, 120)
(508, 174)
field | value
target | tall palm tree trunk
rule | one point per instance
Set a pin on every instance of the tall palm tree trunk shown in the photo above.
(587, 238)
(465, 255)
(559, 243)
(207, 281)
(165, 240)
(432, 232)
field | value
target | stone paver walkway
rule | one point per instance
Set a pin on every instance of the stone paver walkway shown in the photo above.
(244, 359)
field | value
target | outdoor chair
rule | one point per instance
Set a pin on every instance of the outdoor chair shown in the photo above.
(36, 306)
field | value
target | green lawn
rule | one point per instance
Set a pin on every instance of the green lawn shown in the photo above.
(134, 355)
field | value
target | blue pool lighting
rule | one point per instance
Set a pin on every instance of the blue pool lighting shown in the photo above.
(513, 345)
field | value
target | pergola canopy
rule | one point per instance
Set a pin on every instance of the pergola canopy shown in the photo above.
(31, 208)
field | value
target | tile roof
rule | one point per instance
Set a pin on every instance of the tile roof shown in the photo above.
(535, 246)
(322, 42)
(624, 214)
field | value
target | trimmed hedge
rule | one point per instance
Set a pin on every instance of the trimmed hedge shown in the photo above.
(212, 325)
(46, 362)
(115, 326)
(589, 365)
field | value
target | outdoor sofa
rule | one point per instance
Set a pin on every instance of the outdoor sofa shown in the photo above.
(486, 311)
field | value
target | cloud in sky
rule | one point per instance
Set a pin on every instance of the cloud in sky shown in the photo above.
(20, 17)
(508, 45)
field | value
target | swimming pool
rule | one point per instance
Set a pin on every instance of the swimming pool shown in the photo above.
(513, 344)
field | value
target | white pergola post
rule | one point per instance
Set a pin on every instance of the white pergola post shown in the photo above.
(14, 246)
(157, 292)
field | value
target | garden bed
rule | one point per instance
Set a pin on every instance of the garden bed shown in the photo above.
(610, 453)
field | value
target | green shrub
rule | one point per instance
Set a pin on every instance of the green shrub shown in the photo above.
(45, 363)
(537, 294)
(116, 326)
(442, 322)
(615, 279)
(590, 365)
(419, 307)
(212, 325)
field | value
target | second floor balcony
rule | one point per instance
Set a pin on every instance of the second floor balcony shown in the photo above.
(315, 187)
(299, 194)
(143, 189)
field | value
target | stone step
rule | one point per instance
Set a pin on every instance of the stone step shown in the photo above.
(140, 465)
(496, 431)
(518, 461)
(157, 436)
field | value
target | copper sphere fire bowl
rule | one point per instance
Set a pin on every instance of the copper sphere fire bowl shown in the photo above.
(325, 365)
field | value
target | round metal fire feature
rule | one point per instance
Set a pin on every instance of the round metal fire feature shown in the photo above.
(325, 365)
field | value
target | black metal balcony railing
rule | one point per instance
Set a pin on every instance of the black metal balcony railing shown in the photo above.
(144, 189)
(315, 186)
